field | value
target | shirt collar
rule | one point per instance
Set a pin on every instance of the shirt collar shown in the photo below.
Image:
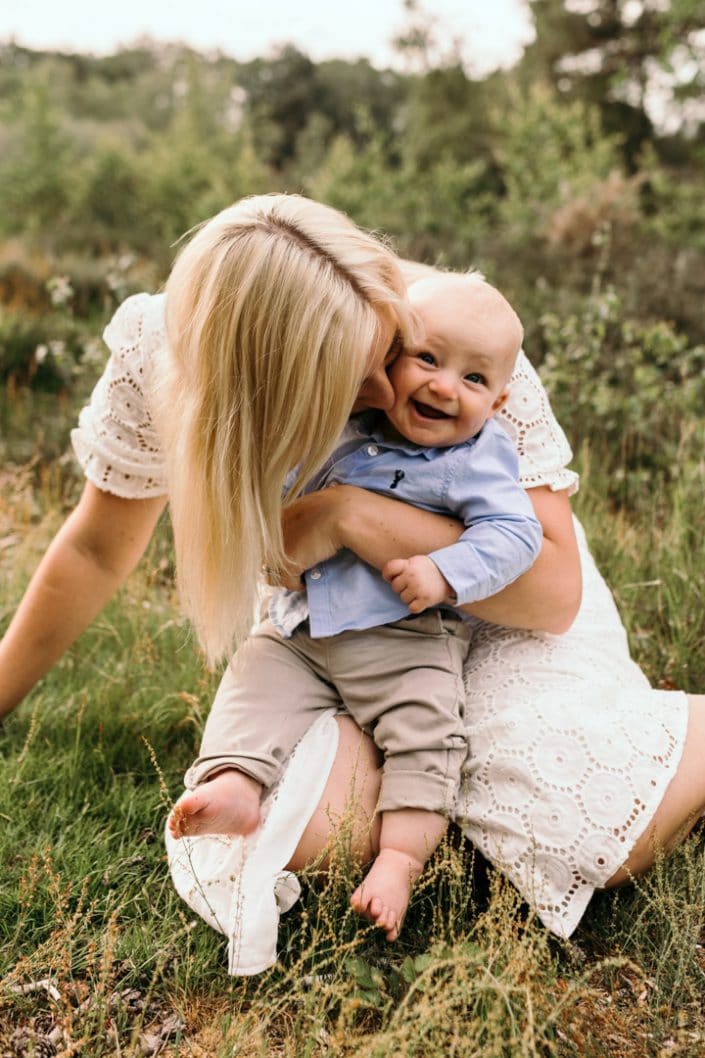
(371, 423)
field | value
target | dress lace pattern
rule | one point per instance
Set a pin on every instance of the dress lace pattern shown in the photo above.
(570, 753)
(544, 452)
(570, 749)
(115, 440)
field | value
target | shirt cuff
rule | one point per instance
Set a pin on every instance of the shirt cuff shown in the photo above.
(487, 579)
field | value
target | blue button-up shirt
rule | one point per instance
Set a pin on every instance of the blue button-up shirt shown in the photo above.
(476, 482)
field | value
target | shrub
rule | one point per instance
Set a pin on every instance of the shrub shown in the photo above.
(437, 213)
(628, 386)
(45, 352)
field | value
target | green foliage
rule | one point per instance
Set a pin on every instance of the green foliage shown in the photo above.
(185, 178)
(118, 156)
(437, 213)
(450, 115)
(108, 209)
(53, 344)
(674, 206)
(553, 153)
(641, 64)
(35, 166)
(650, 554)
(45, 352)
(631, 386)
(281, 100)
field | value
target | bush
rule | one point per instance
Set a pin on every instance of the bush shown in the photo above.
(45, 352)
(629, 387)
(556, 156)
(438, 213)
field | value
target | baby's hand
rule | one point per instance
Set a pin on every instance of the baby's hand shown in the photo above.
(418, 582)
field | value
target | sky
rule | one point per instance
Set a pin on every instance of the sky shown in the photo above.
(490, 33)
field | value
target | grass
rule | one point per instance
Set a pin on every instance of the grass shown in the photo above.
(99, 957)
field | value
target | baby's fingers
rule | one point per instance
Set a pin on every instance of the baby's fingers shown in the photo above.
(393, 568)
(403, 585)
(406, 593)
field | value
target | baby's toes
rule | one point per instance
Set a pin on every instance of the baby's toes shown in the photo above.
(361, 904)
(387, 918)
(176, 823)
(393, 931)
(375, 909)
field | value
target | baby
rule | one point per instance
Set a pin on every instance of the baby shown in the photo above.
(390, 647)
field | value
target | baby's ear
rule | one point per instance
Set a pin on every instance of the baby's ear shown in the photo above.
(499, 401)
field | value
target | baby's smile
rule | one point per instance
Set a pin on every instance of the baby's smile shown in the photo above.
(429, 412)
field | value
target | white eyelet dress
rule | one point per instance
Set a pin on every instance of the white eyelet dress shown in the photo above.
(570, 749)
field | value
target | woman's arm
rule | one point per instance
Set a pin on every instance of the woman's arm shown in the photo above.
(378, 528)
(90, 557)
(547, 597)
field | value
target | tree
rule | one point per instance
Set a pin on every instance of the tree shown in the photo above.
(281, 97)
(641, 61)
(36, 166)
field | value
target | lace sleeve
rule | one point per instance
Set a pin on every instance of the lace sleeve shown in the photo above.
(115, 440)
(541, 444)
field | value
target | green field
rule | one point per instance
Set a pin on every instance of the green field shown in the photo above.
(99, 955)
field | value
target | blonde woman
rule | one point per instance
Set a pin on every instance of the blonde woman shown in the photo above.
(576, 767)
(275, 296)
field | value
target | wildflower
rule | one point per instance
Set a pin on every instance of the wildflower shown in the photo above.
(93, 351)
(60, 290)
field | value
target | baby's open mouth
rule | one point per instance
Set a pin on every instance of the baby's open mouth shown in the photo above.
(428, 412)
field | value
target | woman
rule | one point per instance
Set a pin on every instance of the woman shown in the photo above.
(279, 314)
(278, 319)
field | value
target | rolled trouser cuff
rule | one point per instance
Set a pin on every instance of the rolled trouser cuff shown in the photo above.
(417, 789)
(204, 768)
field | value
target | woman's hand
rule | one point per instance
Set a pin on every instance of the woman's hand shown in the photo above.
(378, 528)
(310, 526)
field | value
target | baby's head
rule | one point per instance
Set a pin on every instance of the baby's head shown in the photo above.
(449, 386)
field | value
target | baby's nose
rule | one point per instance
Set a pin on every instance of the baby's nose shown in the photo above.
(443, 384)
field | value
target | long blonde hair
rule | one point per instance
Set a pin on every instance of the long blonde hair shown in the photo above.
(272, 309)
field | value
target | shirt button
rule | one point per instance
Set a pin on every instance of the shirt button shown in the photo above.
(315, 574)
(372, 450)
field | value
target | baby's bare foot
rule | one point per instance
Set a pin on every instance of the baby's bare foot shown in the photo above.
(383, 896)
(226, 804)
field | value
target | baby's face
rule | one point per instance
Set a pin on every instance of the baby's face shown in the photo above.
(446, 389)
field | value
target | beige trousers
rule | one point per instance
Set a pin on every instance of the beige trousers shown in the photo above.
(401, 682)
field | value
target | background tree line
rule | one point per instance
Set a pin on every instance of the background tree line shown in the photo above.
(574, 181)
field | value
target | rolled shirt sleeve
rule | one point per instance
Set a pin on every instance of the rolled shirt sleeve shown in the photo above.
(502, 537)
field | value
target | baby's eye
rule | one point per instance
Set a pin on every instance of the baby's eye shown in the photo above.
(476, 377)
(427, 358)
